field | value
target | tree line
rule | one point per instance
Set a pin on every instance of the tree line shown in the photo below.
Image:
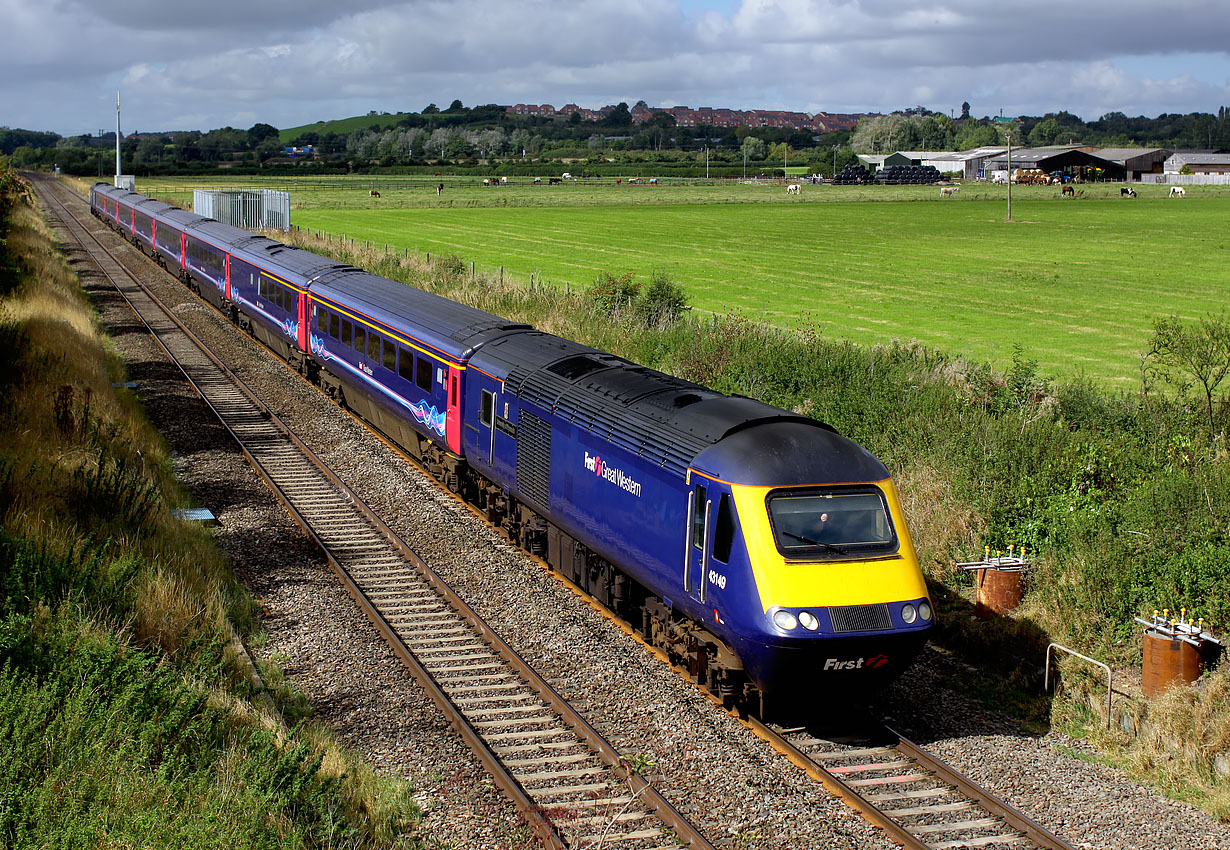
(487, 135)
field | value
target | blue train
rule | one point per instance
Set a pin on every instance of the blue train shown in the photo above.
(760, 549)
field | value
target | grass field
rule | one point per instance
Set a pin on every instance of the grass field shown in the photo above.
(1075, 282)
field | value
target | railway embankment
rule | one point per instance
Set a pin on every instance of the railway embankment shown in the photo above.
(1121, 498)
(130, 713)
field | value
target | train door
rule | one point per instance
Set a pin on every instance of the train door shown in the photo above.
(700, 509)
(488, 398)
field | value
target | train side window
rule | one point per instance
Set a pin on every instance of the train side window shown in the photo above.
(698, 519)
(405, 364)
(360, 339)
(373, 347)
(390, 356)
(347, 331)
(334, 325)
(422, 374)
(322, 320)
(724, 530)
(488, 404)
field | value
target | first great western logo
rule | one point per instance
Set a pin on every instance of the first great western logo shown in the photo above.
(596, 465)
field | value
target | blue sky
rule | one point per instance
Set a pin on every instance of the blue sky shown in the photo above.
(201, 66)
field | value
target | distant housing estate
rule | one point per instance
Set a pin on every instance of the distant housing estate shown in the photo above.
(708, 116)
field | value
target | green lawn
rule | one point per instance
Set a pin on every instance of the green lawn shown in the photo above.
(1076, 282)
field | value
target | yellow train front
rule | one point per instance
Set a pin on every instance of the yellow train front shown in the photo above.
(803, 563)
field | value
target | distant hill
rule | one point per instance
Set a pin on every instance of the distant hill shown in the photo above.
(343, 125)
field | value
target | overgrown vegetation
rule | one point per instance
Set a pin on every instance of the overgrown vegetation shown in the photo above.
(1122, 499)
(127, 717)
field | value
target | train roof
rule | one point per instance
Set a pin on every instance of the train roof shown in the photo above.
(665, 419)
(449, 327)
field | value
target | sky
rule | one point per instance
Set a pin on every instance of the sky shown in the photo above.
(200, 66)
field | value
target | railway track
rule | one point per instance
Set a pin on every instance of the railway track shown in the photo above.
(573, 786)
(917, 799)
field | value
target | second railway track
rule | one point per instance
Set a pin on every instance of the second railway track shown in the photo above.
(567, 780)
(570, 788)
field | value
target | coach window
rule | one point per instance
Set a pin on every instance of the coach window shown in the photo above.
(488, 403)
(347, 331)
(405, 364)
(698, 519)
(322, 320)
(334, 327)
(390, 355)
(724, 531)
(373, 347)
(422, 374)
(360, 339)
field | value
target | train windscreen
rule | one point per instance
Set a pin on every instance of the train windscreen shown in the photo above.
(828, 522)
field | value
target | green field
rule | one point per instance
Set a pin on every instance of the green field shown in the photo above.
(1075, 282)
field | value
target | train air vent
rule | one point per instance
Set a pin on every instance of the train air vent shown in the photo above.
(684, 399)
(860, 618)
(571, 368)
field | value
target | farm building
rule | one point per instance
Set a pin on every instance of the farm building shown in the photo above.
(1070, 160)
(1197, 162)
(1135, 161)
(969, 164)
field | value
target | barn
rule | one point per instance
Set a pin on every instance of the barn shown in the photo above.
(1073, 161)
(1135, 161)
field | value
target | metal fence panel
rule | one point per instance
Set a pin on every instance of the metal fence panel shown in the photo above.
(251, 209)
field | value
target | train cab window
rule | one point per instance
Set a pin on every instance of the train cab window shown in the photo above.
(347, 331)
(422, 374)
(390, 356)
(827, 522)
(487, 408)
(698, 519)
(724, 530)
(405, 364)
(360, 339)
(334, 325)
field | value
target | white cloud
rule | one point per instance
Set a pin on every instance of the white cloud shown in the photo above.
(227, 62)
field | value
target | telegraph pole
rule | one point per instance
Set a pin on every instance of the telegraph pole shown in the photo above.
(118, 169)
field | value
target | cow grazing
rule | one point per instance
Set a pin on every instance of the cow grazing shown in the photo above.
(439, 188)
(552, 181)
(1069, 191)
(1127, 192)
(792, 189)
(1177, 192)
(949, 190)
(374, 193)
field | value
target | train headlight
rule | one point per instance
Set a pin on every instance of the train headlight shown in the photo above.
(909, 613)
(924, 610)
(809, 621)
(784, 620)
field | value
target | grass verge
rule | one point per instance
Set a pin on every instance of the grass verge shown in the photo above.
(126, 719)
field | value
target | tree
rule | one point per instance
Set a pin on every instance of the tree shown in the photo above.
(431, 109)
(455, 106)
(753, 148)
(965, 110)
(257, 133)
(620, 116)
(1200, 350)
